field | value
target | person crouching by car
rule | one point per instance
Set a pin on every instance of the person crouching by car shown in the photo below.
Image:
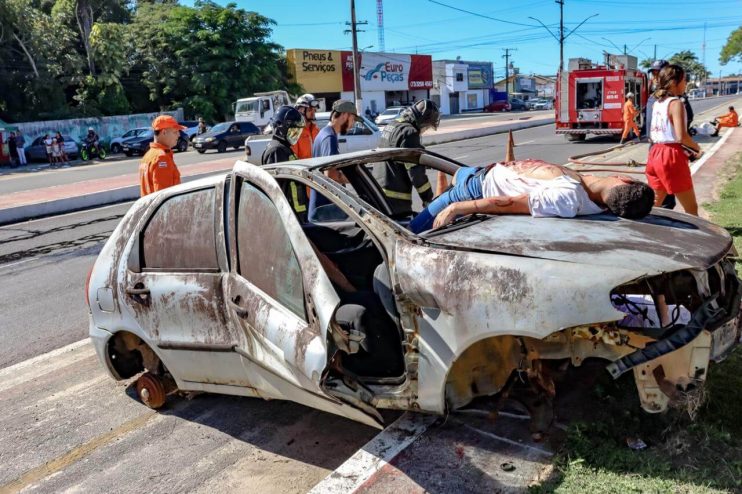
(157, 170)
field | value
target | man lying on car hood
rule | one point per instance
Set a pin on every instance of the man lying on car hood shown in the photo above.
(537, 188)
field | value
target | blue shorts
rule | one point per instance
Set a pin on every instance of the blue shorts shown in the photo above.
(467, 187)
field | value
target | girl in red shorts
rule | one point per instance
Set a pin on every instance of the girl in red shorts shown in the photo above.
(667, 169)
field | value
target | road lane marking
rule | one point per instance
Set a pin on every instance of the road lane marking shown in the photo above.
(376, 454)
(75, 454)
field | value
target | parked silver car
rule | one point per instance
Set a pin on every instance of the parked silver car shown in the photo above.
(215, 285)
(37, 150)
(388, 115)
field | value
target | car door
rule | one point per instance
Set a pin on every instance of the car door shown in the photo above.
(174, 289)
(280, 296)
(357, 138)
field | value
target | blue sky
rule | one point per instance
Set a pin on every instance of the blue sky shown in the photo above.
(430, 27)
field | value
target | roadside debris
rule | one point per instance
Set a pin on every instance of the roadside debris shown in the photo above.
(636, 443)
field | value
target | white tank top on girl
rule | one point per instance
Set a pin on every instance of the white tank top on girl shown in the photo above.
(562, 196)
(662, 131)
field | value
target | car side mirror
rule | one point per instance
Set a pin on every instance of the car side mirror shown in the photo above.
(349, 319)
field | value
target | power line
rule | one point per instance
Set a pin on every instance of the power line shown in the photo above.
(480, 15)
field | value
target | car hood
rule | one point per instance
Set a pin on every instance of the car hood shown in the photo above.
(663, 241)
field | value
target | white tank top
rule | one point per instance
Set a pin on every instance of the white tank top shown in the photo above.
(662, 130)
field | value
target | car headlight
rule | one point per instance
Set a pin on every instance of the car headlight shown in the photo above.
(209, 139)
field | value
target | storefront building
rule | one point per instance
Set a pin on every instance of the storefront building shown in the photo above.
(387, 79)
(460, 86)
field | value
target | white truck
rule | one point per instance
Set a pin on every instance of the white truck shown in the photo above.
(260, 108)
(364, 135)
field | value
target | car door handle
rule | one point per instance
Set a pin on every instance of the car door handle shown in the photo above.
(137, 291)
(234, 304)
(342, 140)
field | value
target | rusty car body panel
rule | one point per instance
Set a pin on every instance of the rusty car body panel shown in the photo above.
(473, 303)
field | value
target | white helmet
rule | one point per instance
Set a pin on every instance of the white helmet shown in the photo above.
(629, 95)
(307, 100)
(90, 129)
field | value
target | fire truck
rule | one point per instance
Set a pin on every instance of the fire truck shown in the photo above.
(590, 96)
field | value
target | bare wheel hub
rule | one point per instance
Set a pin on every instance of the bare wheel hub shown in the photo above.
(151, 390)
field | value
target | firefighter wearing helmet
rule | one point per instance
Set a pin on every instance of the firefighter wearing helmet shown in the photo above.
(397, 179)
(307, 105)
(288, 125)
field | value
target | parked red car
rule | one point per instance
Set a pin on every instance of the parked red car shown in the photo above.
(497, 106)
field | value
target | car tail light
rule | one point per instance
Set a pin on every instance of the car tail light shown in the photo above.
(87, 287)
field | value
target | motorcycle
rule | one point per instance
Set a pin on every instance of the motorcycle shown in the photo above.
(88, 151)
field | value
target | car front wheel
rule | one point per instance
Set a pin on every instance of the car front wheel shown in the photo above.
(201, 151)
(222, 147)
(115, 148)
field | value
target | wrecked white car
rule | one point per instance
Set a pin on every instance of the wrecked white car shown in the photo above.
(216, 286)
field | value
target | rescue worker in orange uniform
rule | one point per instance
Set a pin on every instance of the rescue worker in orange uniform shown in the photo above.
(731, 119)
(157, 169)
(629, 118)
(307, 106)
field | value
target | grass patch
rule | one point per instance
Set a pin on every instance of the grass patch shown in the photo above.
(682, 456)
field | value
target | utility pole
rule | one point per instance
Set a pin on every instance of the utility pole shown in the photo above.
(561, 34)
(624, 48)
(655, 53)
(506, 56)
(356, 59)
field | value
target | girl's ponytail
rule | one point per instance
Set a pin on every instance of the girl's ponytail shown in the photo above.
(670, 74)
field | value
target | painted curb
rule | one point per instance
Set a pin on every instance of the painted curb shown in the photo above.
(130, 193)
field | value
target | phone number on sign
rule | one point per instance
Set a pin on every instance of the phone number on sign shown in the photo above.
(421, 83)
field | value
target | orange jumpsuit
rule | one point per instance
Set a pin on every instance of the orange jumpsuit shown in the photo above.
(303, 147)
(157, 170)
(629, 122)
(731, 119)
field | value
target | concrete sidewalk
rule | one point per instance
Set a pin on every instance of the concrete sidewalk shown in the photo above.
(29, 204)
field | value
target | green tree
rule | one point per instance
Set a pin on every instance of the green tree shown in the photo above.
(732, 49)
(38, 62)
(204, 58)
(694, 69)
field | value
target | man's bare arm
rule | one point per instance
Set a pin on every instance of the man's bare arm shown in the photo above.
(489, 205)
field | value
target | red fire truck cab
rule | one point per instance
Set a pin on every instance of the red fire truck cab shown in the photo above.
(590, 97)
